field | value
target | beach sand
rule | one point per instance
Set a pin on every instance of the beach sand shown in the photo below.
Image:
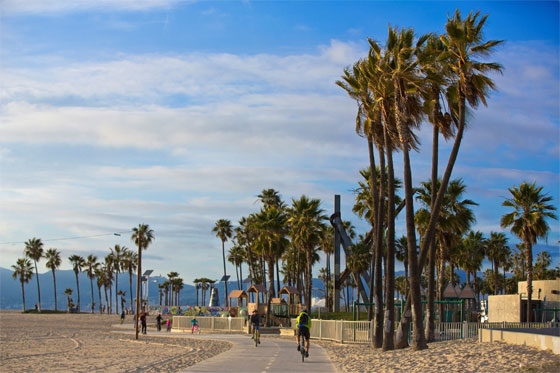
(465, 356)
(86, 343)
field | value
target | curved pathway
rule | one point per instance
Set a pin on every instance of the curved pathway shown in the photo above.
(272, 355)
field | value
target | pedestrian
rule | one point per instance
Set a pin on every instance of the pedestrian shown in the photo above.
(168, 325)
(122, 317)
(143, 321)
(158, 321)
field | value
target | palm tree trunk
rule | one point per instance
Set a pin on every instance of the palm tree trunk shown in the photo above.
(110, 298)
(308, 278)
(405, 321)
(38, 287)
(374, 197)
(270, 264)
(430, 309)
(23, 295)
(241, 274)
(418, 339)
(78, 288)
(378, 254)
(55, 299)
(117, 292)
(529, 279)
(277, 278)
(99, 294)
(224, 257)
(92, 300)
(389, 330)
(130, 286)
(138, 284)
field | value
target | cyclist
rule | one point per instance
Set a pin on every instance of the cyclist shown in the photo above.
(195, 326)
(255, 322)
(303, 323)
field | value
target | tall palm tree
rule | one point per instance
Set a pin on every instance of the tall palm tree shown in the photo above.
(401, 253)
(53, 263)
(100, 280)
(77, 264)
(271, 226)
(358, 261)
(495, 252)
(528, 222)
(130, 260)
(90, 265)
(118, 257)
(109, 277)
(24, 271)
(306, 224)
(68, 293)
(223, 230)
(142, 236)
(474, 248)
(34, 250)
(171, 276)
(235, 257)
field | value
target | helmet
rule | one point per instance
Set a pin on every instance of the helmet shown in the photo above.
(304, 310)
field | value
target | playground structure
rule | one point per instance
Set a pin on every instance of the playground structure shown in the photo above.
(240, 308)
(293, 300)
(257, 294)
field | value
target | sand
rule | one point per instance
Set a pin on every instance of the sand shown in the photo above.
(466, 355)
(86, 343)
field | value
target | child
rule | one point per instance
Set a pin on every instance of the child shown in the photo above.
(194, 323)
(168, 323)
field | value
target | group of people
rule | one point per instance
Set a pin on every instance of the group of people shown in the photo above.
(303, 323)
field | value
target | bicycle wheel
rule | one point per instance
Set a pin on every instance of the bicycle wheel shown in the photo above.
(302, 349)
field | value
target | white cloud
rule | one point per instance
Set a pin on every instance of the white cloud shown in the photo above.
(68, 6)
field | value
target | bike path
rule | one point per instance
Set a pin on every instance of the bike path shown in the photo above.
(272, 355)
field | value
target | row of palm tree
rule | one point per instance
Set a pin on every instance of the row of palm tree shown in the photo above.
(277, 233)
(106, 272)
(398, 86)
(203, 284)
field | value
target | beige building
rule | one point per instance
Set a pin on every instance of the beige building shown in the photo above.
(513, 307)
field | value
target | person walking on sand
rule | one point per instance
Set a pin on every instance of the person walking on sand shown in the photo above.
(168, 325)
(158, 321)
(143, 321)
(122, 317)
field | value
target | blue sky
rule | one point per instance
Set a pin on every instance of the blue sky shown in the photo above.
(178, 113)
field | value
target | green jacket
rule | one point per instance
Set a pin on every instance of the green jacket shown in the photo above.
(308, 325)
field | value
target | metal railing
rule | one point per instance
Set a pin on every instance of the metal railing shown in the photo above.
(210, 323)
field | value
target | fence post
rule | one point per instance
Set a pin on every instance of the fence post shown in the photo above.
(320, 330)
(371, 328)
(212, 323)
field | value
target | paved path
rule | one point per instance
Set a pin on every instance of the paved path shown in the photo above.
(272, 355)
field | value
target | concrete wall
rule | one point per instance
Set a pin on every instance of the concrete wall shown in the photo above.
(540, 341)
(541, 289)
(504, 308)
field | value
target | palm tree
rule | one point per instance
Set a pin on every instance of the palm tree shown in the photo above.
(100, 280)
(358, 261)
(109, 276)
(77, 264)
(118, 256)
(474, 248)
(24, 271)
(34, 250)
(223, 230)
(142, 237)
(53, 262)
(495, 253)
(528, 222)
(306, 224)
(129, 261)
(235, 257)
(166, 291)
(90, 265)
(171, 276)
(68, 293)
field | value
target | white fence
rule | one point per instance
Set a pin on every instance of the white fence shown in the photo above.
(362, 331)
(210, 323)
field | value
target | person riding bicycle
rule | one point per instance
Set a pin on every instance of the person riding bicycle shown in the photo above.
(255, 323)
(303, 323)
(195, 326)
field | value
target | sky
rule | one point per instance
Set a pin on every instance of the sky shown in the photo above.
(176, 114)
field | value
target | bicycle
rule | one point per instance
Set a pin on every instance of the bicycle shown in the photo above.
(256, 335)
(302, 347)
(195, 329)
